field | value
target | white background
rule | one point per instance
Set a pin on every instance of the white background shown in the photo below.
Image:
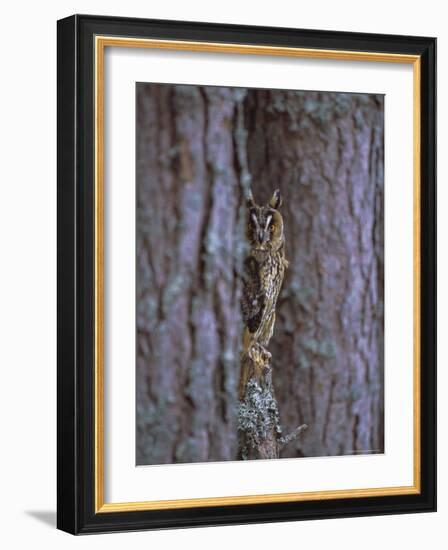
(28, 274)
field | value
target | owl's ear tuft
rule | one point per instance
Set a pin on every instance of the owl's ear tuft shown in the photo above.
(276, 200)
(250, 203)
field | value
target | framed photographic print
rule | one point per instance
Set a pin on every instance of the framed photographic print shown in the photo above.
(246, 274)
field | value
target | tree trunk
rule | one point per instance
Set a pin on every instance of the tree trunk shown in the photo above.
(324, 151)
(198, 150)
(189, 256)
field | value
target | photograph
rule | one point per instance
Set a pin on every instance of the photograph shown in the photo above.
(246, 273)
(231, 232)
(259, 273)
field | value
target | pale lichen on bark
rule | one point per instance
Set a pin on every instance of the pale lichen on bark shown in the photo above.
(260, 431)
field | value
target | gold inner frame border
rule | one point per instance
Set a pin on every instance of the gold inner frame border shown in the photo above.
(100, 43)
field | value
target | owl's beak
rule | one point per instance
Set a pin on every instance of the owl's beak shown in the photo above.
(261, 233)
(262, 238)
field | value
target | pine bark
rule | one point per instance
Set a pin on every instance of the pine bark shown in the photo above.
(198, 150)
(189, 256)
(325, 153)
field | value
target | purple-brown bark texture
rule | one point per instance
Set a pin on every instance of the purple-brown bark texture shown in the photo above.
(199, 150)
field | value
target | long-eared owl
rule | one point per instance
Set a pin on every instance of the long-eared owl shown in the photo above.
(264, 270)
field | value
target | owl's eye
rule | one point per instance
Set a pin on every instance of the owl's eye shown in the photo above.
(272, 226)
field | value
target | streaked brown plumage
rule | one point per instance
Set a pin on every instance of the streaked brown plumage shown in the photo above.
(264, 270)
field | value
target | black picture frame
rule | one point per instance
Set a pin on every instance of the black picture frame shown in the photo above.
(76, 255)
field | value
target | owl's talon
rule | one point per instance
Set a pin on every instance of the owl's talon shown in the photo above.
(265, 355)
(258, 353)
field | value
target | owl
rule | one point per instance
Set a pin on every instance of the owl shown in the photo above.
(264, 270)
